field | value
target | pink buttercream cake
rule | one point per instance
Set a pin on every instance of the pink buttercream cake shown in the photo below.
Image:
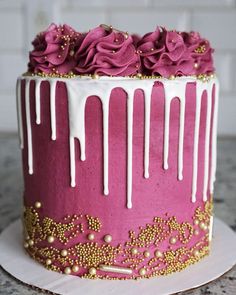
(118, 138)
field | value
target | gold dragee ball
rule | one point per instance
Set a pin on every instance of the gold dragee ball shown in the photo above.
(202, 225)
(50, 239)
(196, 253)
(173, 240)
(91, 237)
(64, 252)
(75, 268)
(196, 232)
(196, 221)
(38, 205)
(92, 271)
(134, 251)
(108, 238)
(146, 254)
(31, 242)
(67, 270)
(95, 76)
(172, 77)
(26, 245)
(142, 271)
(158, 253)
(48, 261)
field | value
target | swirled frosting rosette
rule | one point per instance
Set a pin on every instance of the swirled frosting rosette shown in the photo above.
(201, 51)
(53, 50)
(105, 51)
(110, 52)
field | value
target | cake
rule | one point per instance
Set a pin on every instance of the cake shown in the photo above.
(118, 137)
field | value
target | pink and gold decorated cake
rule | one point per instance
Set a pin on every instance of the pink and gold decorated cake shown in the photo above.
(118, 137)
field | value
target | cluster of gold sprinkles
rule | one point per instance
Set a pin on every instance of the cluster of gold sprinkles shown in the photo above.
(200, 49)
(93, 223)
(141, 256)
(56, 74)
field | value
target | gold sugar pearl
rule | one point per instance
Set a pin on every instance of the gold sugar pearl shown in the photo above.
(108, 238)
(202, 225)
(91, 237)
(146, 253)
(142, 271)
(139, 75)
(95, 76)
(173, 240)
(196, 232)
(37, 205)
(172, 77)
(158, 254)
(50, 239)
(31, 242)
(26, 245)
(196, 222)
(196, 253)
(195, 65)
(92, 271)
(48, 261)
(72, 52)
(67, 270)
(75, 268)
(64, 253)
(134, 251)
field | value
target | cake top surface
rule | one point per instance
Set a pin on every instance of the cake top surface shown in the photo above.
(106, 51)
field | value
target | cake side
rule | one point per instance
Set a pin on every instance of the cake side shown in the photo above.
(118, 171)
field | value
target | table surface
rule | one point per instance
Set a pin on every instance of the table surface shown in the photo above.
(11, 187)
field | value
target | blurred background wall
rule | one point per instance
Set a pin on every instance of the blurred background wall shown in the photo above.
(20, 20)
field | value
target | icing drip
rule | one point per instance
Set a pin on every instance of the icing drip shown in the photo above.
(105, 108)
(77, 101)
(174, 89)
(207, 141)
(130, 147)
(214, 139)
(78, 90)
(201, 87)
(181, 137)
(28, 124)
(147, 96)
(19, 112)
(53, 108)
(37, 101)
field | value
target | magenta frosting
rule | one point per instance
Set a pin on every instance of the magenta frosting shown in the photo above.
(168, 53)
(110, 52)
(106, 52)
(54, 50)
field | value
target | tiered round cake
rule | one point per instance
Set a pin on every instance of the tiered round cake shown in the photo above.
(118, 136)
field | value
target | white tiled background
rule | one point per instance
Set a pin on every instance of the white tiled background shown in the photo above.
(20, 20)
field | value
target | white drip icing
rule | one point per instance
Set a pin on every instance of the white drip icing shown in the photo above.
(147, 99)
(37, 101)
(53, 84)
(19, 113)
(80, 89)
(28, 124)
(207, 141)
(130, 103)
(214, 139)
(174, 89)
(105, 109)
(200, 88)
